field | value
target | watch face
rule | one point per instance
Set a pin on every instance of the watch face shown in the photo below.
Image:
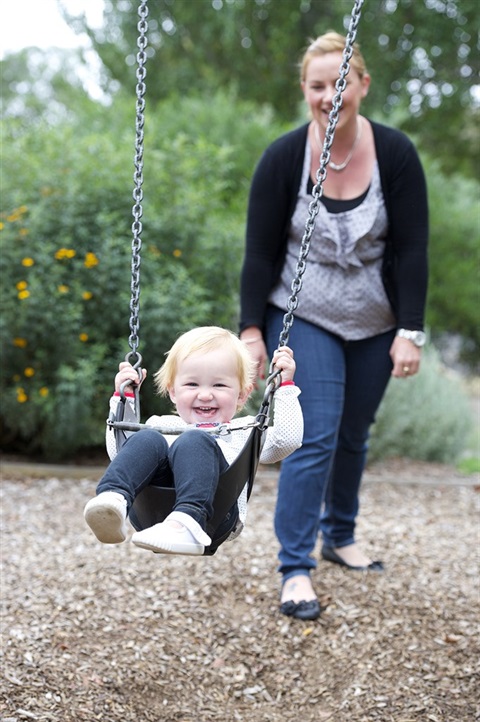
(419, 338)
(416, 337)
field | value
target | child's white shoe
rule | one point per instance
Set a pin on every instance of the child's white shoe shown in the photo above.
(106, 516)
(186, 537)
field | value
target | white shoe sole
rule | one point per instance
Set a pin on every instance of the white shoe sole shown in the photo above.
(161, 544)
(106, 520)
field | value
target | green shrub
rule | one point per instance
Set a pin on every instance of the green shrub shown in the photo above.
(454, 259)
(469, 465)
(426, 417)
(65, 230)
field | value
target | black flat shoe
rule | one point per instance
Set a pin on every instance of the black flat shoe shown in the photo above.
(301, 610)
(330, 555)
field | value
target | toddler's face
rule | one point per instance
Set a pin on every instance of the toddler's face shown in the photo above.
(207, 387)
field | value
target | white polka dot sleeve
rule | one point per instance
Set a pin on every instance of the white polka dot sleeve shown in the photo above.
(286, 433)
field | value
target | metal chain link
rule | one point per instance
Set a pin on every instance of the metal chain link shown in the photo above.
(314, 207)
(137, 210)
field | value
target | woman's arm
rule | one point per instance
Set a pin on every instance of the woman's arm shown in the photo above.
(270, 206)
(404, 187)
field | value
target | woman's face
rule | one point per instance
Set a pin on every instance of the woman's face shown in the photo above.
(318, 88)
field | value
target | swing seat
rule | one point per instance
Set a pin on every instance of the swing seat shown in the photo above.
(154, 503)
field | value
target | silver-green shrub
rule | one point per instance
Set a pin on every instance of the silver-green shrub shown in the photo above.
(426, 417)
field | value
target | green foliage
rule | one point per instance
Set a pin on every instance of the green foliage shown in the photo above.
(66, 248)
(426, 417)
(469, 465)
(66, 257)
(454, 288)
(421, 55)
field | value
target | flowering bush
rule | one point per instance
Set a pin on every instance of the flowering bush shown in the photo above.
(56, 251)
(65, 230)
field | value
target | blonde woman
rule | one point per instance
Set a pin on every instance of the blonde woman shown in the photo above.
(360, 314)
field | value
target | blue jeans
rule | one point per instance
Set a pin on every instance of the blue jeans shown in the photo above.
(342, 384)
(192, 464)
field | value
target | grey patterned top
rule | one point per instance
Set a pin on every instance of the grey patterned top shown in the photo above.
(342, 290)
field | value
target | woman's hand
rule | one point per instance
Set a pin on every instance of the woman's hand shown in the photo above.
(283, 360)
(128, 373)
(253, 339)
(405, 356)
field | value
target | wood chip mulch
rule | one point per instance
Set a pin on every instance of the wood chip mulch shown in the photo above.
(92, 632)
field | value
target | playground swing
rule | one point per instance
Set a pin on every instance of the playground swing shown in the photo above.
(154, 503)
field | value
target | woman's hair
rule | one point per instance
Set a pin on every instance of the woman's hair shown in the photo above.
(206, 339)
(331, 42)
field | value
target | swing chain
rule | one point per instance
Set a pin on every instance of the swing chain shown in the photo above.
(137, 210)
(314, 206)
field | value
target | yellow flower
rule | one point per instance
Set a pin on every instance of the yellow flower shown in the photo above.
(23, 294)
(23, 209)
(65, 253)
(13, 217)
(21, 285)
(43, 391)
(27, 262)
(29, 372)
(87, 295)
(177, 253)
(83, 337)
(19, 342)
(23, 232)
(63, 288)
(91, 260)
(2, 226)
(21, 396)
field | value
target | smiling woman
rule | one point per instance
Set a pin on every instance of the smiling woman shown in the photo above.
(357, 322)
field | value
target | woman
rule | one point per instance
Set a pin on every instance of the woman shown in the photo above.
(360, 314)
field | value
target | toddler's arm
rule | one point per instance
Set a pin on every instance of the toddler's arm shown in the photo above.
(126, 373)
(286, 433)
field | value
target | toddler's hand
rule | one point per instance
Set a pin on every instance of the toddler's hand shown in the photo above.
(128, 373)
(283, 360)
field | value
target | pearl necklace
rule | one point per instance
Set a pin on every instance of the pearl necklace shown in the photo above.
(340, 166)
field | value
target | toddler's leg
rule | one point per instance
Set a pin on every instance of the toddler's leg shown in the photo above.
(143, 459)
(196, 462)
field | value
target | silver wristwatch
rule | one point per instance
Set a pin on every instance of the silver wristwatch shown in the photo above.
(416, 337)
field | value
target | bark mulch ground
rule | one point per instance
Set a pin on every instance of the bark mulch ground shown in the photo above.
(118, 634)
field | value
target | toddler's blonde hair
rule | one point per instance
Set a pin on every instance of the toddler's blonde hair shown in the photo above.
(206, 339)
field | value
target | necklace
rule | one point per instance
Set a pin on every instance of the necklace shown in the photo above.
(340, 166)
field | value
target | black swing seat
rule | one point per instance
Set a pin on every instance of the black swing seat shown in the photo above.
(154, 503)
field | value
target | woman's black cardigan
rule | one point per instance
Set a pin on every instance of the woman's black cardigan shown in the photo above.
(272, 201)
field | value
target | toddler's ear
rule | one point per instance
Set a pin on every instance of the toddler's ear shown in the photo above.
(171, 393)
(243, 396)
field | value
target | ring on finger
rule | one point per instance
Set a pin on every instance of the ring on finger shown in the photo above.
(406, 370)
